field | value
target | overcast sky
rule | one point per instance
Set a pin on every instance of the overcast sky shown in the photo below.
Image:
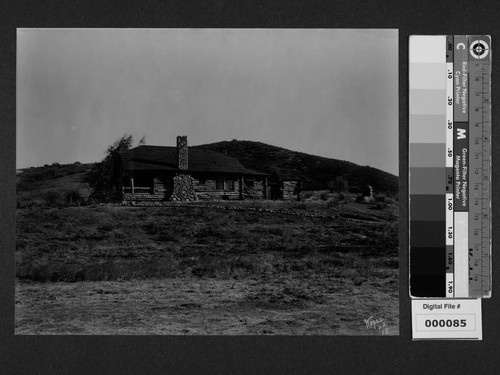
(332, 93)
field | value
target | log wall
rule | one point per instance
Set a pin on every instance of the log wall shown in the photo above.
(207, 190)
(159, 186)
(289, 190)
(179, 188)
(143, 197)
(254, 192)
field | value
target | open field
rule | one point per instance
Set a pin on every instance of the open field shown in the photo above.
(194, 306)
(202, 270)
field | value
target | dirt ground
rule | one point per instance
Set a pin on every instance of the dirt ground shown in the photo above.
(207, 306)
(208, 271)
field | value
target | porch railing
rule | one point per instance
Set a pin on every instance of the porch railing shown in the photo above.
(137, 190)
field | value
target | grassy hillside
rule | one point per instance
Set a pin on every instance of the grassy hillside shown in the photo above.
(113, 243)
(204, 270)
(55, 184)
(316, 170)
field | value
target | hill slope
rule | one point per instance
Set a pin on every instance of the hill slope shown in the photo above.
(317, 171)
(56, 183)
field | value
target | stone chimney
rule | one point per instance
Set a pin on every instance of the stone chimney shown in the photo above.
(182, 152)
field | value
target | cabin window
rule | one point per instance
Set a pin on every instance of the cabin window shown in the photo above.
(219, 184)
(229, 185)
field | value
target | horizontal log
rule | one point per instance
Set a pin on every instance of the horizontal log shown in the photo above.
(143, 195)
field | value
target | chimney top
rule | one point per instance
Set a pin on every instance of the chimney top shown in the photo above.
(182, 152)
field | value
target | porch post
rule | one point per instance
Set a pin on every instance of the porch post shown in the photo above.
(132, 184)
(265, 187)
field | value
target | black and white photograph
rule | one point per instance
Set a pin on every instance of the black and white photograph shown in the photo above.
(207, 182)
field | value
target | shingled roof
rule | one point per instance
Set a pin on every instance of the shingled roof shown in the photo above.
(163, 158)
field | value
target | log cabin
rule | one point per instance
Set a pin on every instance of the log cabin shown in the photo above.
(159, 173)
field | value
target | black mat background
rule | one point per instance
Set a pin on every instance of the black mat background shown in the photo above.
(255, 354)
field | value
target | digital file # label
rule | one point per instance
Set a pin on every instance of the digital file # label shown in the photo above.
(446, 319)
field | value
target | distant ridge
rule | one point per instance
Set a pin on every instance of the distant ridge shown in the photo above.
(317, 171)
